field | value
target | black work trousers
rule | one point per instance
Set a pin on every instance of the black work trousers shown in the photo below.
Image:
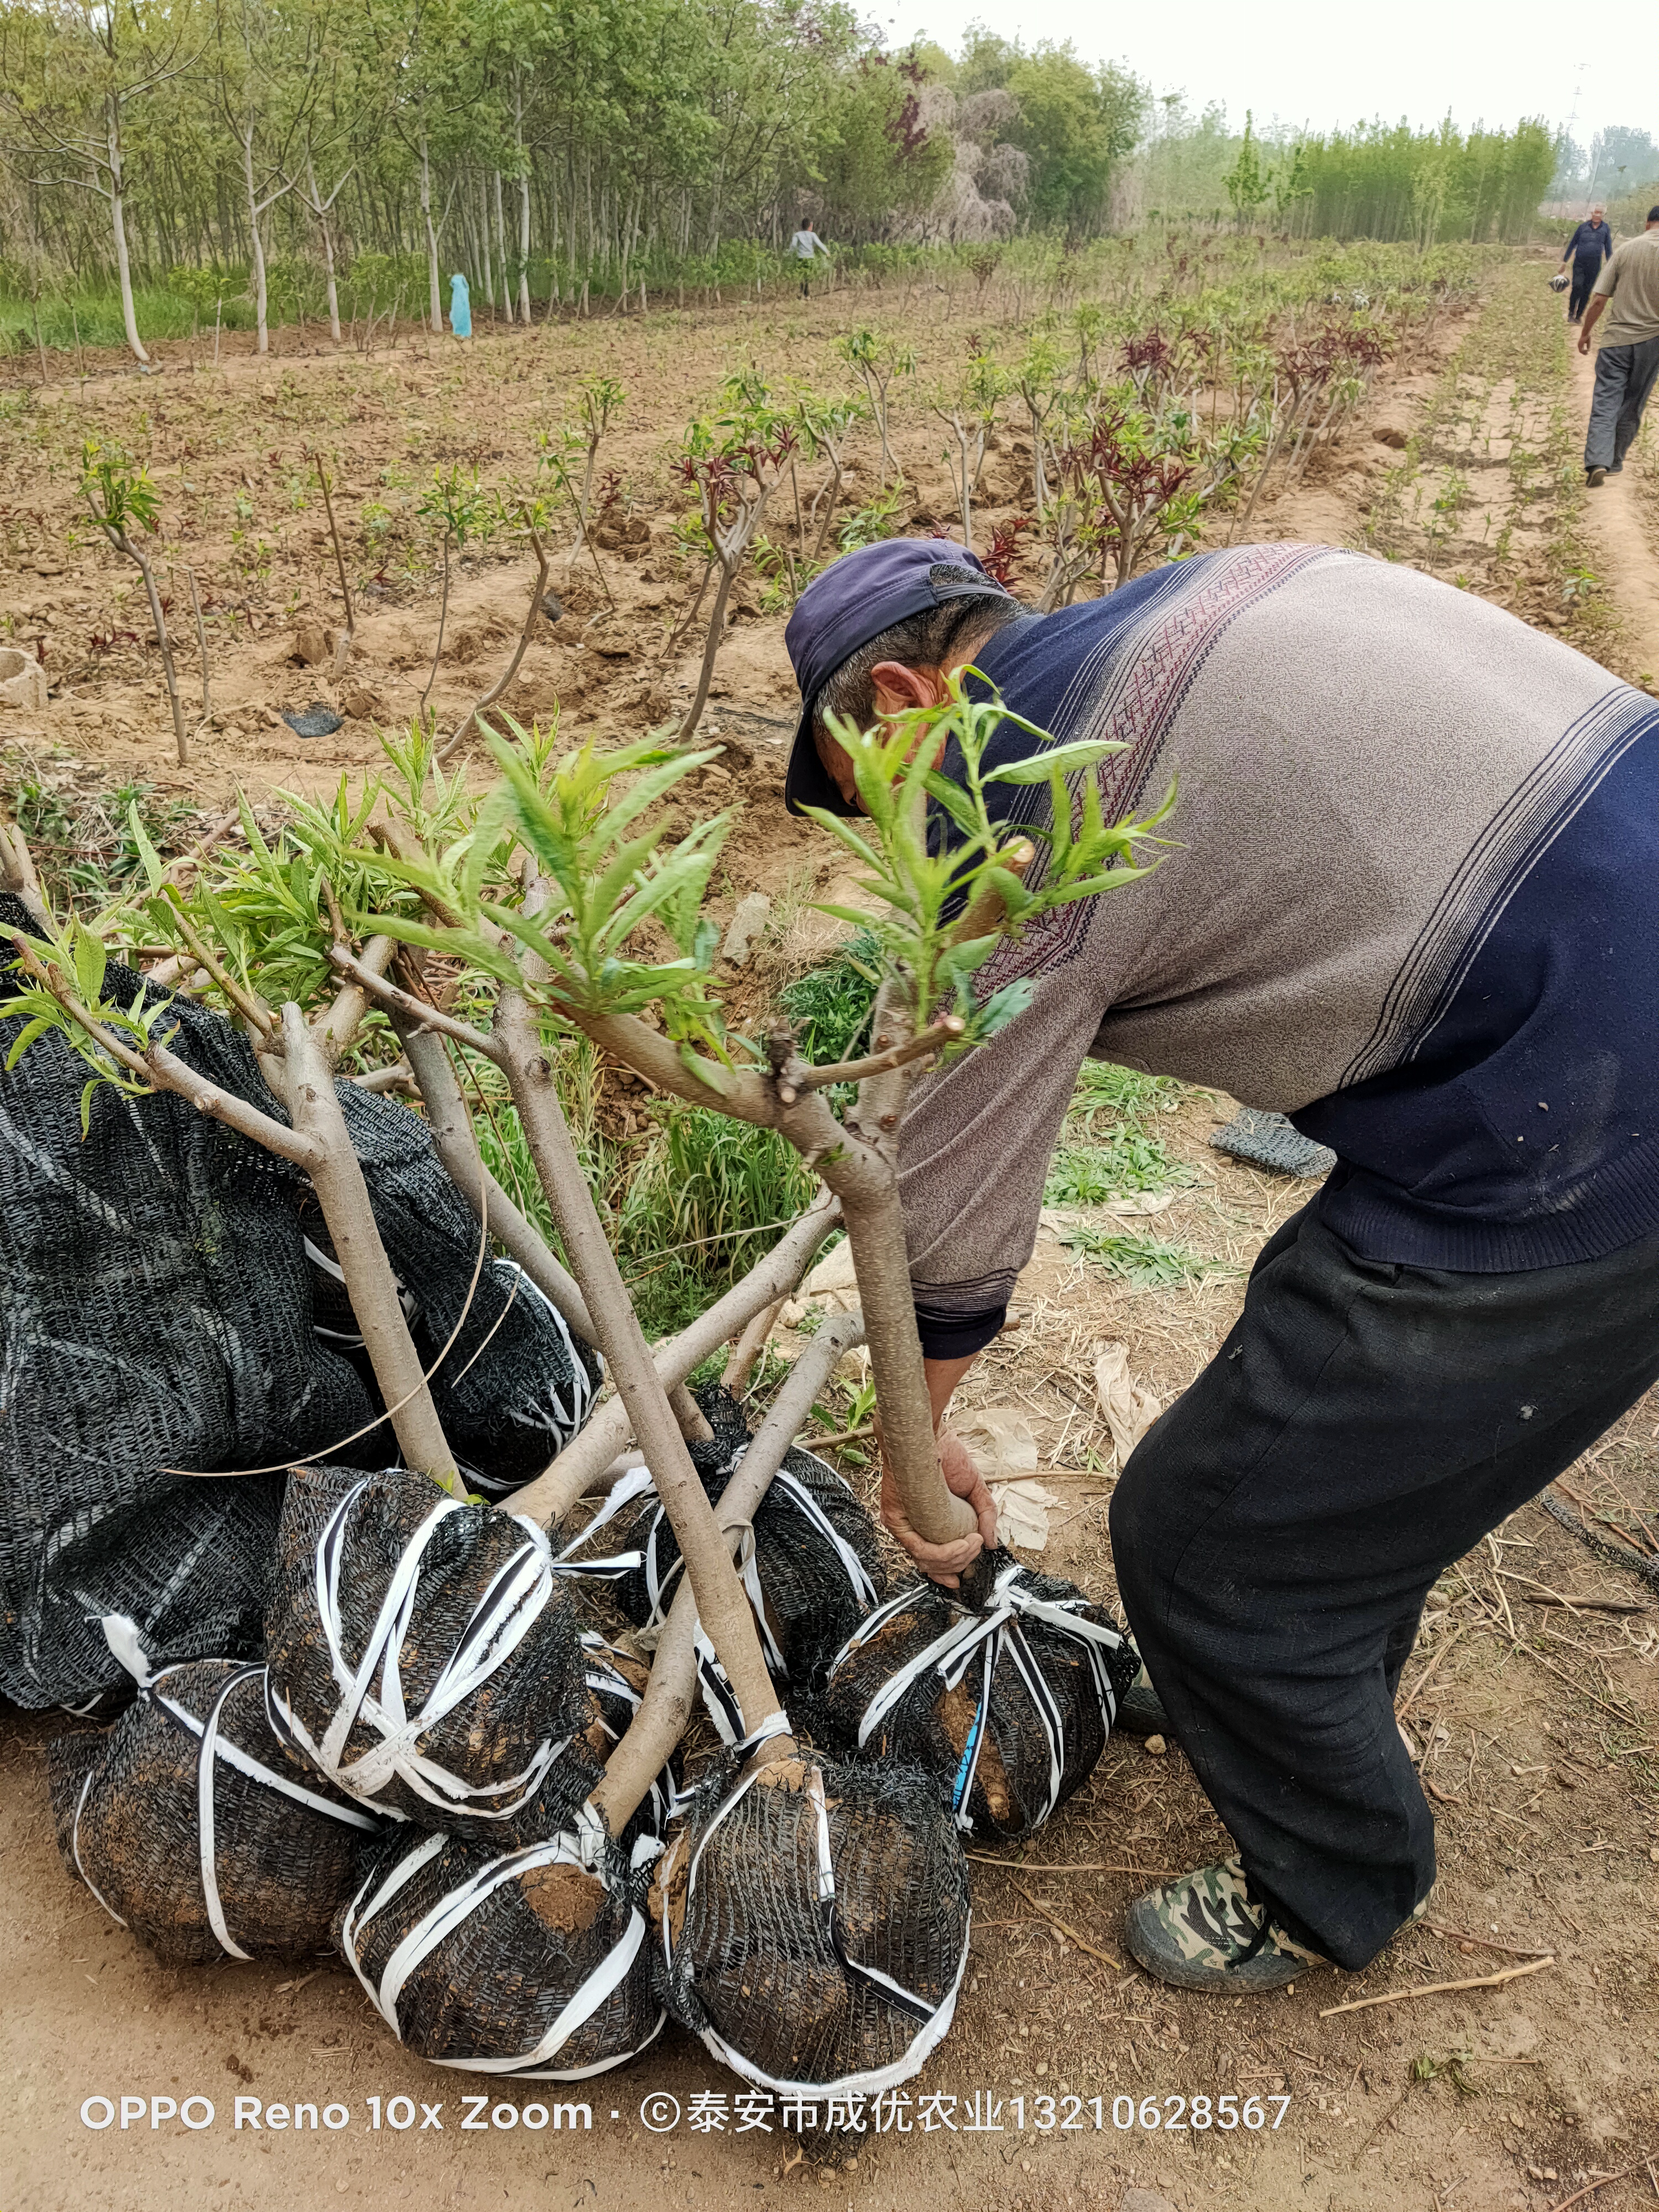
(1586, 267)
(1277, 1530)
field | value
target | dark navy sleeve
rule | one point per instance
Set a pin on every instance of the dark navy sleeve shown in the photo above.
(958, 1336)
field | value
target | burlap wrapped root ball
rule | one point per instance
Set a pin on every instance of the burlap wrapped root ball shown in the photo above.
(1005, 1692)
(424, 1657)
(814, 1920)
(812, 1571)
(535, 1962)
(195, 1826)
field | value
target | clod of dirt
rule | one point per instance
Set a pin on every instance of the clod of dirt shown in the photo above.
(365, 704)
(313, 645)
(1157, 1746)
(1390, 435)
(745, 926)
(22, 679)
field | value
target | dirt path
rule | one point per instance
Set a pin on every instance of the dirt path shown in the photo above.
(1629, 562)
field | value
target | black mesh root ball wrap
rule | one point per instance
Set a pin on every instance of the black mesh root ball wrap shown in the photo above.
(814, 1922)
(535, 1962)
(193, 1826)
(1005, 1694)
(812, 1570)
(423, 1654)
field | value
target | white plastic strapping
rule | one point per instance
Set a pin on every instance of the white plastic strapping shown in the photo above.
(504, 1617)
(990, 1634)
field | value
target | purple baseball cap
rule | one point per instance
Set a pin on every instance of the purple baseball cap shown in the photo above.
(854, 600)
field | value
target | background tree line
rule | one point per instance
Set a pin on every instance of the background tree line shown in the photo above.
(254, 158)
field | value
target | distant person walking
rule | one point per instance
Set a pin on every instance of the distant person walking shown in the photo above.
(805, 247)
(1590, 245)
(1627, 290)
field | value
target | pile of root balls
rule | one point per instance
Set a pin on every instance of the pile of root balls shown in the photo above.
(561, 1701)
(416, 1771)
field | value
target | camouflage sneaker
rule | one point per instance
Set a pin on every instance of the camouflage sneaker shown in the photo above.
(1206, 1932)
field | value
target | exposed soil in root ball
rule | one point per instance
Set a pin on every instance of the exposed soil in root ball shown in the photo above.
(126, 1807)
(563, 1899)
(1010, 1713)
(783, 1990)
(475, 1583)
(816, 1566)
(470, 1954)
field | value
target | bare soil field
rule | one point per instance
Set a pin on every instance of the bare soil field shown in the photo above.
(1531, 1697)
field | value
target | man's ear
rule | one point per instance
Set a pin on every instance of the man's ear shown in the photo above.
(898, 687)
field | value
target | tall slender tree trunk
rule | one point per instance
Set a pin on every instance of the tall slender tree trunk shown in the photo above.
(328, 250)
(118, 220)
(435, 297)
(481, 241)
(501, 250)
(524, 204)
(256, 248)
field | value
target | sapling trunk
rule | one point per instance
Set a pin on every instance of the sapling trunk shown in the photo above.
(538, 592)
(337, 1176)
(450, 1123)
(720, 1601)
(859, 1169)
(747, 1348)
(342, 643)
(17, 873)
(711, 646)
(443, 616)
(584, 1459)
(644, 1751)
(201, 646)
(137, 553)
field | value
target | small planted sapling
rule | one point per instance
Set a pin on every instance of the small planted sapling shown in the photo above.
(1128, 490)
(1038, 381)
(823, 426)
(879, 362)
(458, 510)
(599, 400)
(970, 411)
(124, 504)
(732, 468)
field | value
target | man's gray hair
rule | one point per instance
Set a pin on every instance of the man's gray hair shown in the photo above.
(927, 639)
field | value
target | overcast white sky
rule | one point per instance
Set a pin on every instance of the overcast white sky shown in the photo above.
(1314, 62)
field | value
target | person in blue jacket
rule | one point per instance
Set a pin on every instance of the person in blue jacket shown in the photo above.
(1590, 245)
(460, 306)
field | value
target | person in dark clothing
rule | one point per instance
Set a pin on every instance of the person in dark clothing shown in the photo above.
(1409, 901)
(1627, 364)
(1590, 245)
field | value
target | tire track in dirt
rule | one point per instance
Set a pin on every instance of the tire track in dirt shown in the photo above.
(1629, 564)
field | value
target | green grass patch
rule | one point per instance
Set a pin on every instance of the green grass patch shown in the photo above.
(1109, 1146)
(1146, 1261)
(82, 840)
(829, 1007)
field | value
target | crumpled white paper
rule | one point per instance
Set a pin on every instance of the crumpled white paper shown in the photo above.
(1023, 1511)
(1129, 1408)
